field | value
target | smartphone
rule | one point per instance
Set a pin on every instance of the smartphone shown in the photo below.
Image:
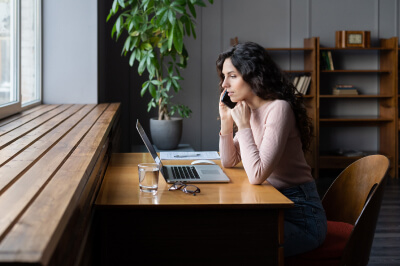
(227, 100)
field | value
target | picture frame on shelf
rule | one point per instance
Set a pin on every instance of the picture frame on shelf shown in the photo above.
(349, 39)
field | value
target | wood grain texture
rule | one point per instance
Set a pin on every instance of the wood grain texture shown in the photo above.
(49, 172)
(232, 223)
(121, 188)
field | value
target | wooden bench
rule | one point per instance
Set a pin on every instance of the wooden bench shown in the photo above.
(52, 161)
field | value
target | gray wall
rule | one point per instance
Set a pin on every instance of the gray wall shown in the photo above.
(279, 23)
(69, 51)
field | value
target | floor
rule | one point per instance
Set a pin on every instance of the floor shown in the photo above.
(386, 246)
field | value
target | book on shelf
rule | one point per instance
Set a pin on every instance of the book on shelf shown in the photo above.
(295, 80)
(348, 153)
(344, 89)
(301, 84)
(326, 60)
(331, 67)
(345, 92)
(306, 84)
(344, 86)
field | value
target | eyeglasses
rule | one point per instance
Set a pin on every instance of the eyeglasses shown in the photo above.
(189, 189)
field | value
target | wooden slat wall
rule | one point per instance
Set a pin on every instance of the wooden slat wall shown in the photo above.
(52, 160)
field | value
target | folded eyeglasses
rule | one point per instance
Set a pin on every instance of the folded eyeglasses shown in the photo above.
(189, 189)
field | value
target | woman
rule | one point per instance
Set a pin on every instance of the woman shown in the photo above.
(273, 133)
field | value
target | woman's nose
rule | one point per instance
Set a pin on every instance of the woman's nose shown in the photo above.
(224, 84)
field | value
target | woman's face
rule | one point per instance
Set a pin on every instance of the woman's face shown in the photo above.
(238, 89)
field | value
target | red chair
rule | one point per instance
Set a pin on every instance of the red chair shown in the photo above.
(352, 205)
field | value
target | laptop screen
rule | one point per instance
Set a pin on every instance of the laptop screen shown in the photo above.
(148, 144)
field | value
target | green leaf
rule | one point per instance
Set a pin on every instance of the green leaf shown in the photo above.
(192, 9)
(121, 3)
(163, 17)
(131, 25)
(178, 40)
(138, 54)
(161, 11)
(171, 17)
(156, 82)
(145, 85)
(186, 22)
(199, 3)
(135, 33)
(177, 87)
(119, 23)
(127, 43)
(142, 66)
(152, 90)
(150, 66)
(115, 6)
(178, 8)
(177, 71)
(145, 3)
(193, 30)
(132, 58)
(169, 84)
(134, 42)
(170, 39)
(114, 29)
(109, 15)
(146, 46)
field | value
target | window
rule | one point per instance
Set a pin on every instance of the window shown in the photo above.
(20, 55)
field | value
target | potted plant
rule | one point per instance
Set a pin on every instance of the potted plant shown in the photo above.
(154, 33)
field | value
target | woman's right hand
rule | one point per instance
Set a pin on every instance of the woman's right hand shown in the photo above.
(225, 116)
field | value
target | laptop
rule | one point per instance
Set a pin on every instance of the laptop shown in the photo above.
(184, 173)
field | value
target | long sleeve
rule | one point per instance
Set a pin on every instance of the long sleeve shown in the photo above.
(260, 162)
(270, 149)
(229, 150)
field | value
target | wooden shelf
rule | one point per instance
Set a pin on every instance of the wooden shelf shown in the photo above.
(385, 102)
(289, 49)
(387, 122)
(337, 161)
(362, 96)
(355, 71)
(355, 49)
(355, 119)
(298, 71)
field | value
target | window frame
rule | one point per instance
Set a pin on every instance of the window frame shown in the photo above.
(17, 106)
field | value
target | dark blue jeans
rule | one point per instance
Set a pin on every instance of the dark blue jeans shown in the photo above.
(305, 223)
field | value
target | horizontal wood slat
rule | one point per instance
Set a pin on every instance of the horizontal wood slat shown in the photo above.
(50, 167)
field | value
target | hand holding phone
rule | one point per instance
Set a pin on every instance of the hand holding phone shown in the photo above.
(227, 100)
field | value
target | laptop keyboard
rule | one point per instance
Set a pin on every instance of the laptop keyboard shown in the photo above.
(185, 172)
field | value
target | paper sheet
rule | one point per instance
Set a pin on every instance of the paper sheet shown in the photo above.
(191, 155)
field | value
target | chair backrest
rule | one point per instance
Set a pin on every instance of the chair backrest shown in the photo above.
(355, 197)
(346, 197)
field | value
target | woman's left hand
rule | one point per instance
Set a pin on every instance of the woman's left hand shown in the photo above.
(241, 115)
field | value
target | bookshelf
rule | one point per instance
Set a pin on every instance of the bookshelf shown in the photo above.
(398, 109)
(308, 54)
(379, 95)
(380, 100)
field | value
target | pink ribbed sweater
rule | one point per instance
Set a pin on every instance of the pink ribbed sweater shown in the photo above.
(270, 150)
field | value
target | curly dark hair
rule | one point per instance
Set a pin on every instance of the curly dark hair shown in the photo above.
(267, 82)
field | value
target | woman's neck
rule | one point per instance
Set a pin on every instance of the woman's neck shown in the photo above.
(255, 102)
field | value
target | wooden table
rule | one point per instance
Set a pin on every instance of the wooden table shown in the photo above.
(233, 223)
(52, 161)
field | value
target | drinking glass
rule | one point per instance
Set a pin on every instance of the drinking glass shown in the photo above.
(148, 177)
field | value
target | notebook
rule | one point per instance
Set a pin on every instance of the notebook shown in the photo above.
(184, 173)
